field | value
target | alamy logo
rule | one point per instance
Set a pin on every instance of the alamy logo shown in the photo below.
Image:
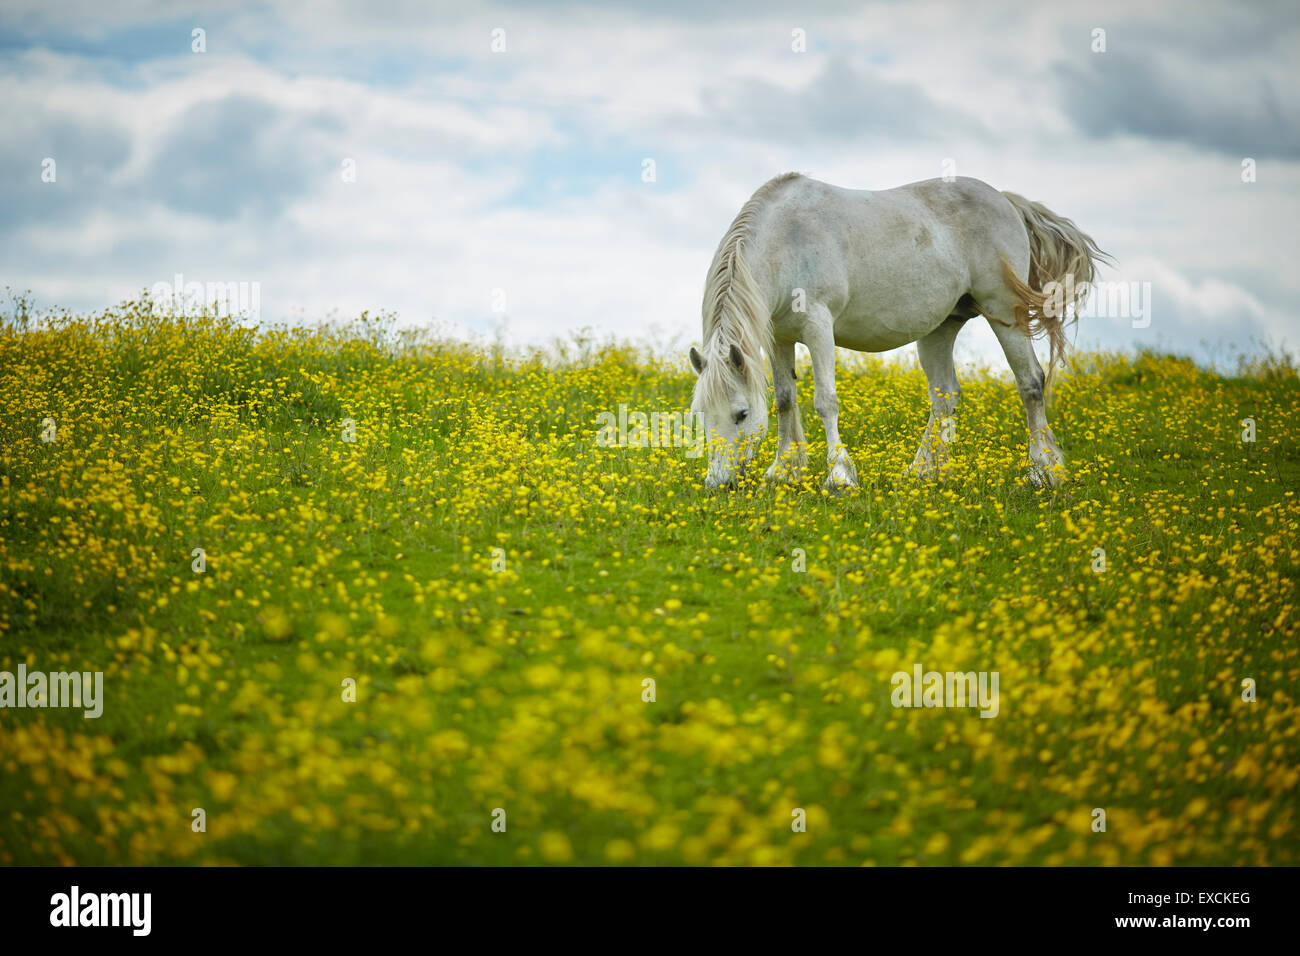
(60, 689)
(1105, 300)
(103, 909)
(656, 430)
(947, 689)
(228, 298)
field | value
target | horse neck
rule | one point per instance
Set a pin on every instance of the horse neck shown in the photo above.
(745, 317)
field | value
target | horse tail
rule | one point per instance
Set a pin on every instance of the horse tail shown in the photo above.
(1063, 262)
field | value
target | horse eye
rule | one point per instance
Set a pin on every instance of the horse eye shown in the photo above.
(741, 415)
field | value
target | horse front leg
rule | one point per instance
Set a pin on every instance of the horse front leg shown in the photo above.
(819, 336)
(791, 448)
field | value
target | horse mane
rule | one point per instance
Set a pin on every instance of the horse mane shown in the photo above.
(734, 310)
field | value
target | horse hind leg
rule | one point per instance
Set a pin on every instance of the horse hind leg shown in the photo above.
(1048, 462)
(935, 352)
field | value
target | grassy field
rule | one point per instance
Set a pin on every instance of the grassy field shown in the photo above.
(514, 679)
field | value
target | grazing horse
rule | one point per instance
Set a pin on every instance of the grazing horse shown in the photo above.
(805, 261)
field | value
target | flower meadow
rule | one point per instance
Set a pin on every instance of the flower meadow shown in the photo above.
(367, 598)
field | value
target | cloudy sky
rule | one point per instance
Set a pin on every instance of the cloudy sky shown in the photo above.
(522, 169)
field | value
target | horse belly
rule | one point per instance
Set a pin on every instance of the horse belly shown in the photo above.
(869, 334)
(893, 307)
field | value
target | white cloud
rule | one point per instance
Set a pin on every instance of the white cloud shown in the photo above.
(521, 170)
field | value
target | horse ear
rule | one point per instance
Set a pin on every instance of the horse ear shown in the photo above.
(737, 359)
(697, 361)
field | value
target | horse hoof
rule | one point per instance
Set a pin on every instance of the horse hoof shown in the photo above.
(783, 476)
(1044, 479)
(838, 486)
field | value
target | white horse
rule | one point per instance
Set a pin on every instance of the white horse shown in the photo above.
(808, 262)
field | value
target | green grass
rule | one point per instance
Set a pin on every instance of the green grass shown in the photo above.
(522, 689)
